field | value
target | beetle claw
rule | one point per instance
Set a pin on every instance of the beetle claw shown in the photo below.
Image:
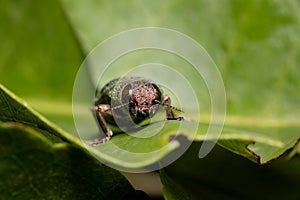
(175, 118)
(97, 141)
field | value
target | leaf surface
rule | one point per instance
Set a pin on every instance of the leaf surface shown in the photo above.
(32, 167)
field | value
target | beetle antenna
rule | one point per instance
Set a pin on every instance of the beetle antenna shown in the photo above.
(174, 108)
(109, 109)
(119, 106)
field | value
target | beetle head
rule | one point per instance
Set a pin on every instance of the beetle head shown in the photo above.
(143, 100)
(145, 111)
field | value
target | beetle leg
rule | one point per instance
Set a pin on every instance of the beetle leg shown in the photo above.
(97, 141)
(167, 101)
(98, 112)
(169, 114)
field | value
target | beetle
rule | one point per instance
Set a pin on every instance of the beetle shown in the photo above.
(126, 101)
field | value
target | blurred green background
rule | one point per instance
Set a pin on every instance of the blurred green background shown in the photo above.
(255, 44)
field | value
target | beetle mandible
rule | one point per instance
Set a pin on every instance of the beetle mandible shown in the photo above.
(128, 101)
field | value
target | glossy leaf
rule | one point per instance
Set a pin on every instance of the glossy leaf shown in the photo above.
(13, 109)
(172, 190)
(223, 175)
(258, 67)
(31, 167)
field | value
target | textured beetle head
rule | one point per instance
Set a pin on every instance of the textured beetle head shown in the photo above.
(144, 100)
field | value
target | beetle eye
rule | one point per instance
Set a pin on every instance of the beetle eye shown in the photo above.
(133, 110)
(153, 110)
(142, 113)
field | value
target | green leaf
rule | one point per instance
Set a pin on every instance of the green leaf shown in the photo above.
(14, 109)
(223, 175)
(171, 189)
(238, 106)
(41, 159)
(260, 145)
(295, 151)
(259, 68)
(32, 167)
(127, 152)
(254, 44)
